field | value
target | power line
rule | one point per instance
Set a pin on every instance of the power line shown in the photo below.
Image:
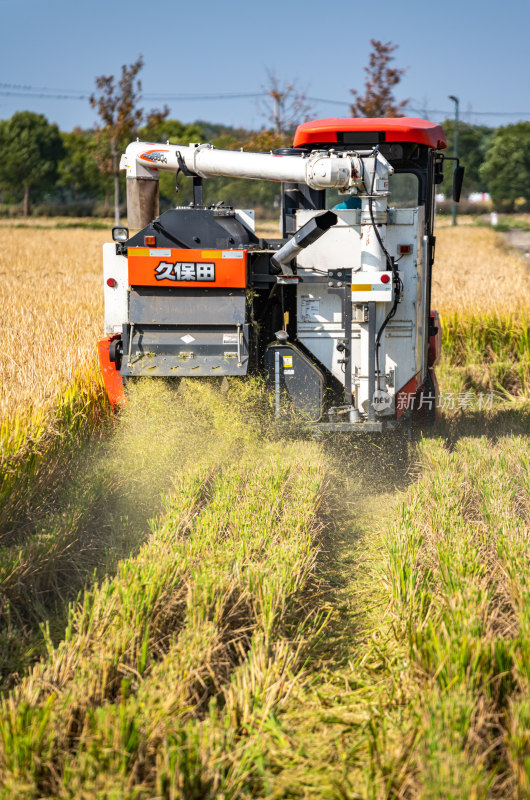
(428, 110)
(166, 97)
(25, 87)
(21, 90)
(42, 92)
(5, 93)
(473, 113)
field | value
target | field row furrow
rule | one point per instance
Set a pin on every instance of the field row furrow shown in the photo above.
(92, 505)
(426, 694)
(210, 610)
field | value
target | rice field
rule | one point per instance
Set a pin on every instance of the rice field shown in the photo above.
(200, 605)
(52, 307)
(52, 304)
(482, 292)
(51, 393)
(268, 639)
(475, 275)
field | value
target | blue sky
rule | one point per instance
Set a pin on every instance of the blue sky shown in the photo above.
(475, 50)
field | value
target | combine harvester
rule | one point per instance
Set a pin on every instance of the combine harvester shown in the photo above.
(336, 314)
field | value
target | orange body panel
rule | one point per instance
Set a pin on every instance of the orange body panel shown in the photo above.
(396, 129)
(185, 268)
(111, 376)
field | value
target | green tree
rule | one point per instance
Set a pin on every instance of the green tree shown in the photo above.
(78, 170)
(506, 168)
(236, 192)
(217, 132)
(171, 130)
(31, 149)
(473, 142)
(378, 99)
(121, 117)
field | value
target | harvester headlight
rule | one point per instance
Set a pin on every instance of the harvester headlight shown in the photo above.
(120, 234)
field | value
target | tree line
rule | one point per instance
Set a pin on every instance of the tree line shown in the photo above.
(77, 172)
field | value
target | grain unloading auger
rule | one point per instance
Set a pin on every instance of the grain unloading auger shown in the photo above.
(336, 314)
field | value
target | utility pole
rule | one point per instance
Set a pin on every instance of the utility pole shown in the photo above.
(115, 170)
(456, 102)
(277, 97)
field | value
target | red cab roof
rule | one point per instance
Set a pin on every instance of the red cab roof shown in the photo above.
(395, 129)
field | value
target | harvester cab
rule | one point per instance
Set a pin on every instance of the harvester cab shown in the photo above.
(335, 313)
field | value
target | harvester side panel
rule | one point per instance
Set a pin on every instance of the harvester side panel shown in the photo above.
(115, 278)
(421, 298)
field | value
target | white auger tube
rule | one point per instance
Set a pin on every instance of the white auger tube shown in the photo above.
(319, 170)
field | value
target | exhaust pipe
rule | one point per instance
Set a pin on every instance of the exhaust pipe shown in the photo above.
(306, 235)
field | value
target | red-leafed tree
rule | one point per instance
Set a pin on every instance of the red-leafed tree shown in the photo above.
(378, 99)
(117, 106)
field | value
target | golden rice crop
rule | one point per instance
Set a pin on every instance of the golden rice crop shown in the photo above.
(52, 301)
(202, 668)
(480, 287)
(475, 274)
(50, 387)
(210, 614)
(52, 308)
(52, 313)
(194, 670)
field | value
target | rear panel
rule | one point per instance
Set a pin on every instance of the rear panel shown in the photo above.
(319, 314)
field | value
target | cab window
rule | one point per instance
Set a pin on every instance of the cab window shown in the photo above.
(404, 188)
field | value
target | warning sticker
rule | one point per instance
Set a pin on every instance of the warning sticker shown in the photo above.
(371, 287)
(229, 338)
(232, 254)
(310, 306)
(287, 361)
(288, 372)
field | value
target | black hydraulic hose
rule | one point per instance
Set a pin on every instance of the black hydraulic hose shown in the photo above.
(391, 313)
(159, 228)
